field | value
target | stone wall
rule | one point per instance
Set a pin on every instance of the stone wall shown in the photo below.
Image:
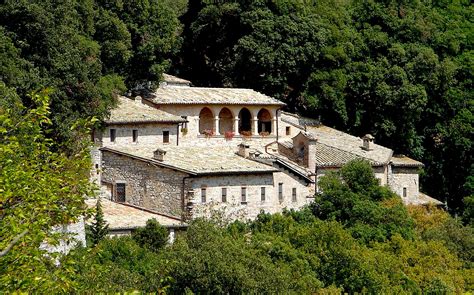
(233, 208)
(405, 177)
(147, 185)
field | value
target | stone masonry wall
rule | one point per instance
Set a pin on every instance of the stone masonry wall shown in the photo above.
(408, 178)
(233, 208)
(148, 186)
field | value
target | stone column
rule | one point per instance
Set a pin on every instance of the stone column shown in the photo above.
(236, 125)
(274, 126)
(255, 125)
(216, 125)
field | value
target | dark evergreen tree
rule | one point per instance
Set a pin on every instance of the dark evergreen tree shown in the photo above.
(153, 236)
(99, 228)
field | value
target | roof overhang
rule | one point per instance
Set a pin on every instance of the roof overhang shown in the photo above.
(147, 160)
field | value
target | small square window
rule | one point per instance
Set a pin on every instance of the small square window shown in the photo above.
(166, 136)
(262, 194)
(280, 191)
(224, 194)
(293, 194)
(288, 130)
(203, 194)
(135, 135)
(113, 135)
(243, 195)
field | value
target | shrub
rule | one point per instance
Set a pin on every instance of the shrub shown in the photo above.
(153, 236)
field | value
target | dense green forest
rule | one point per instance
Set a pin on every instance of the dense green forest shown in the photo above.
(401, 70)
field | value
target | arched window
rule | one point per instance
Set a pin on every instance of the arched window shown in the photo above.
(226, 121)
(264, 121)
(206, 121)
(245, 120)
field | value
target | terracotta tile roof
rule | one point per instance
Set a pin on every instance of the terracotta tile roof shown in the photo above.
(201, 95)
(123, 216)
(347, 143)
(199, 160)
(328, 156)
(134, 111)
(424, 199)
(343, 144)
(404, 161)
(170, 79)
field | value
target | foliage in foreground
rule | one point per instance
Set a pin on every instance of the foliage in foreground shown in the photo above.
(382, 248)
(39, 189)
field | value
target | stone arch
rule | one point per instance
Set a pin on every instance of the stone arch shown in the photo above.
(226, 121)
(206, 120)
(245, 120)
(264, 121)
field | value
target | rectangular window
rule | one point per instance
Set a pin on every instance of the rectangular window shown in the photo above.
(280, 191)
(293, 194)
(288, 130)
(404, 192)
(166, 136)
(262, 194)
(134, 135)
(203, 194)
(120, 192)
(243, 195)
(113, 134)
(224, 195)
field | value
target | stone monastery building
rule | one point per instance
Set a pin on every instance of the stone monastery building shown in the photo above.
(184, 152)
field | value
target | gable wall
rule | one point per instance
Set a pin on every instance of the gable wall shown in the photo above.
(149, 186)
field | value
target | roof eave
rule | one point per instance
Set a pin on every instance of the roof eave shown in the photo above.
(151, 161)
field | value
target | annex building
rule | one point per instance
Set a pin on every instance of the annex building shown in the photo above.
(184, 152)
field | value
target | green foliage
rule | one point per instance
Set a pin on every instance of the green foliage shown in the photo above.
(85, 51)
(99, 228)
(468, 215)
(39, 189)
(353, 197)
(119, 265)
(153, 236)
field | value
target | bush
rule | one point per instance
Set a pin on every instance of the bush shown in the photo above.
(153, 236)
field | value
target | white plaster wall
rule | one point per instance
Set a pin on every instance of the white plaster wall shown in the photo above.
(148, 134)
(233, 208)
(74, 235)
(282, 130)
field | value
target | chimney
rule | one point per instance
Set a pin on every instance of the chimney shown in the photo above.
(159, 155)
(304, 145)
(244, 150)
(367, 142)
